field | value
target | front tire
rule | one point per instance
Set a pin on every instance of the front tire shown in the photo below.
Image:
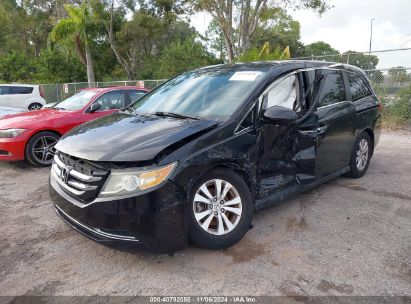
(220, 209)
(40, 149)
(360, 156)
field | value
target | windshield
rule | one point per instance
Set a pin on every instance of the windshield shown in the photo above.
(76, 102)
(209, 94)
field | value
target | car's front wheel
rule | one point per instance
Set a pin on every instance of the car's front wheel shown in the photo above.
(221, 209)
(40, 149)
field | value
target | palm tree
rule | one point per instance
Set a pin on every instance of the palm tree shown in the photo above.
(77, 28)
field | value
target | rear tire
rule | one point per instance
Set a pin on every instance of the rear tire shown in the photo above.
(40, 149)
(360, 156)
(35, 106)
(220, 218)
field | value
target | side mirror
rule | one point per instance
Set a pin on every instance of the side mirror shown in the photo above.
(94, 107)
(280, 115)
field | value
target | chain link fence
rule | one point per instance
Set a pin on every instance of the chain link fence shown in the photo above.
(60, 91)
(390, 74)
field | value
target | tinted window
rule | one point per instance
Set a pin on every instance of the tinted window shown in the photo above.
(212, 93)
(358, 87)
(284, 93)
(111, 100)
(333, 89)
(21, 90)
(136, 95)
(4, 90)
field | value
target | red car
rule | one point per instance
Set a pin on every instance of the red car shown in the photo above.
(32, 135)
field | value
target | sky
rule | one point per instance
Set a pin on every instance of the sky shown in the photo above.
(346, 26)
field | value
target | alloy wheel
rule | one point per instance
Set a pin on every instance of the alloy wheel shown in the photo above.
(217, 207)
(362, 154)
(43, 149)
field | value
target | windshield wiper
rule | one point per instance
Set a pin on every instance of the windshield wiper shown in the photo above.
(58, 108)
(131, 110)
(175, 115)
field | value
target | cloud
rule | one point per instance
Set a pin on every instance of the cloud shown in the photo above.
(347, 25)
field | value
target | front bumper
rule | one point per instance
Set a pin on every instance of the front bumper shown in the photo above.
(155, 220)
(12, 149)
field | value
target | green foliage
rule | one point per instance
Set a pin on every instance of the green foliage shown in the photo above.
(280, 30)
(319, 48)
(15, 67)
(361, 60)
(215, 40)
(397, 113)
(264, 54)
(81, 21)
(181, 56)
(58, 66)
(398, 74)
(42, 41)
(51, 66)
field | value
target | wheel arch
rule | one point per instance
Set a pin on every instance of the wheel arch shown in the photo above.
(32, 102)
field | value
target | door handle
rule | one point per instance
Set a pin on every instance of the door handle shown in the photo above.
(321, 130)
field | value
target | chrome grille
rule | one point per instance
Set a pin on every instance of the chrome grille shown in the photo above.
(81, 180)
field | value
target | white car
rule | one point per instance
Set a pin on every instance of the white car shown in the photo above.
(23, 96)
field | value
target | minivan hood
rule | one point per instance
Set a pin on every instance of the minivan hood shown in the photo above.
(129, 138)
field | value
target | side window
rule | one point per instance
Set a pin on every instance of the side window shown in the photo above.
(333, 89)
(248, 121)
(4, 90)
(358, 87)
(111, 100)
(136, 95)
(21, 90)
(284, 93)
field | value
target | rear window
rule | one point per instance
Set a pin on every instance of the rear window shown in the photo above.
(358, 87)
(21, 90)
(333, 90)
(7, 90)
(4, 90)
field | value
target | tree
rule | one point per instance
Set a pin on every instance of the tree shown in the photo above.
(78, 27)
(245, 16)
(398, 74)
(280, 30)
(23, 28)
(215, 40)
(181, 56)
(361, 60)
(132, 41)
(16, 66)
(319, 48)
(58, 66)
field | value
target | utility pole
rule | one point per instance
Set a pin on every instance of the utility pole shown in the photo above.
(369, 53)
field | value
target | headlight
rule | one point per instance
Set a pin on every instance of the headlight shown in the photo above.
(127, 181)
(10, 133)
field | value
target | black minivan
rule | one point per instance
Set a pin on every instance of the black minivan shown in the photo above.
(195, 157)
